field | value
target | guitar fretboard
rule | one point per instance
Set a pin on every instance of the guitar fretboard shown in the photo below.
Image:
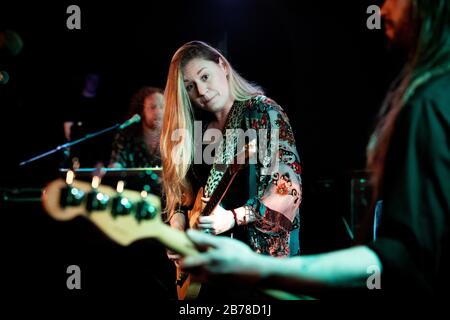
(219, 192)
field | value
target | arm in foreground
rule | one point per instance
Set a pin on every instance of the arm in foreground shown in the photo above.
(227, 259)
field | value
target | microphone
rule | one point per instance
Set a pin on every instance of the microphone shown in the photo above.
(4, 77)
(133, 119)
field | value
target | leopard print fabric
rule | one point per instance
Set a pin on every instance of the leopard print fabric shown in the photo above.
(227, 148)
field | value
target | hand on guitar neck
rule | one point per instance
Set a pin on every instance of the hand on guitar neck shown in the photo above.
(219, 221)
(207, 214)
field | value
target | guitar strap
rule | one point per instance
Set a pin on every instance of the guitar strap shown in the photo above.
(227, 149)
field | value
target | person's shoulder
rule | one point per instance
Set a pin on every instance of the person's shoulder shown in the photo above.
(428, 108)
(434, 94)
(263, 103)
(127, 134)
(133, 131)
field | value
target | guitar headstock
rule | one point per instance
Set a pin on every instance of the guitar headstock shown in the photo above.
(124, 216)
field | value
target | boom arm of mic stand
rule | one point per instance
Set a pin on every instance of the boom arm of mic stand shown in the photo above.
(69, 144)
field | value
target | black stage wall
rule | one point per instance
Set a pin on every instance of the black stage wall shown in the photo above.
(316, 58)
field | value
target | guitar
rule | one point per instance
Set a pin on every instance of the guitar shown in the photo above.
(138, 218)
(186, 287)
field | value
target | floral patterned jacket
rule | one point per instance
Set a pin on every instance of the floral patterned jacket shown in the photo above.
(279, 191)
(274, 184)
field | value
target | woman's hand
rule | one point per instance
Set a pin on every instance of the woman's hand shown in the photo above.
(219, 221)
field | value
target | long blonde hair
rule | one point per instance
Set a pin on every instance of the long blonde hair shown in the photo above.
(177, 140)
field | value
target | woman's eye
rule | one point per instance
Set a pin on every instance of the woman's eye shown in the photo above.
(189, 87)
(205, 77)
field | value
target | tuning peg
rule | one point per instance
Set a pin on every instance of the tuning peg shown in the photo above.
(70, 196)
(70, 175)
(96, 201)
(120, 205)
(144, 209)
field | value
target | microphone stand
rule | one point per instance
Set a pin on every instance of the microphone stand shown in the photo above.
(69, 144)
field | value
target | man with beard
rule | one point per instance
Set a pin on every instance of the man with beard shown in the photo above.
(138, 146)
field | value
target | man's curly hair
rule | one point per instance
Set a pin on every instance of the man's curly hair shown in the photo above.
(137, 101)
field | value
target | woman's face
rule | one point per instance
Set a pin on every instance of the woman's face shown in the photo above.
(153, 105)
(207, 84)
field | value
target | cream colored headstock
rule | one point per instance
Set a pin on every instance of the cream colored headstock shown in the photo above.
(123, 229)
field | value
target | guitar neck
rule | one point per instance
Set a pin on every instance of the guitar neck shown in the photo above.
(219, 192)
(228, 177)
(176, 240)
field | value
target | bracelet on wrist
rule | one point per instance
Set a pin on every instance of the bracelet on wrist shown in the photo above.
(235, 217)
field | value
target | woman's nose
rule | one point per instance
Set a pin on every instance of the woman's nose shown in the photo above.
(202, 89)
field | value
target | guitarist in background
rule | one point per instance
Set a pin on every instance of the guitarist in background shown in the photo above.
(409, 155)
(261, 207)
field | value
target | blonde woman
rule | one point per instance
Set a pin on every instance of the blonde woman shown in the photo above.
(261, 207)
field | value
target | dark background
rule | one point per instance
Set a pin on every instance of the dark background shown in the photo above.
(315, 58)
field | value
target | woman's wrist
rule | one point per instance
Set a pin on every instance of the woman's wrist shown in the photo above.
(243, 215)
